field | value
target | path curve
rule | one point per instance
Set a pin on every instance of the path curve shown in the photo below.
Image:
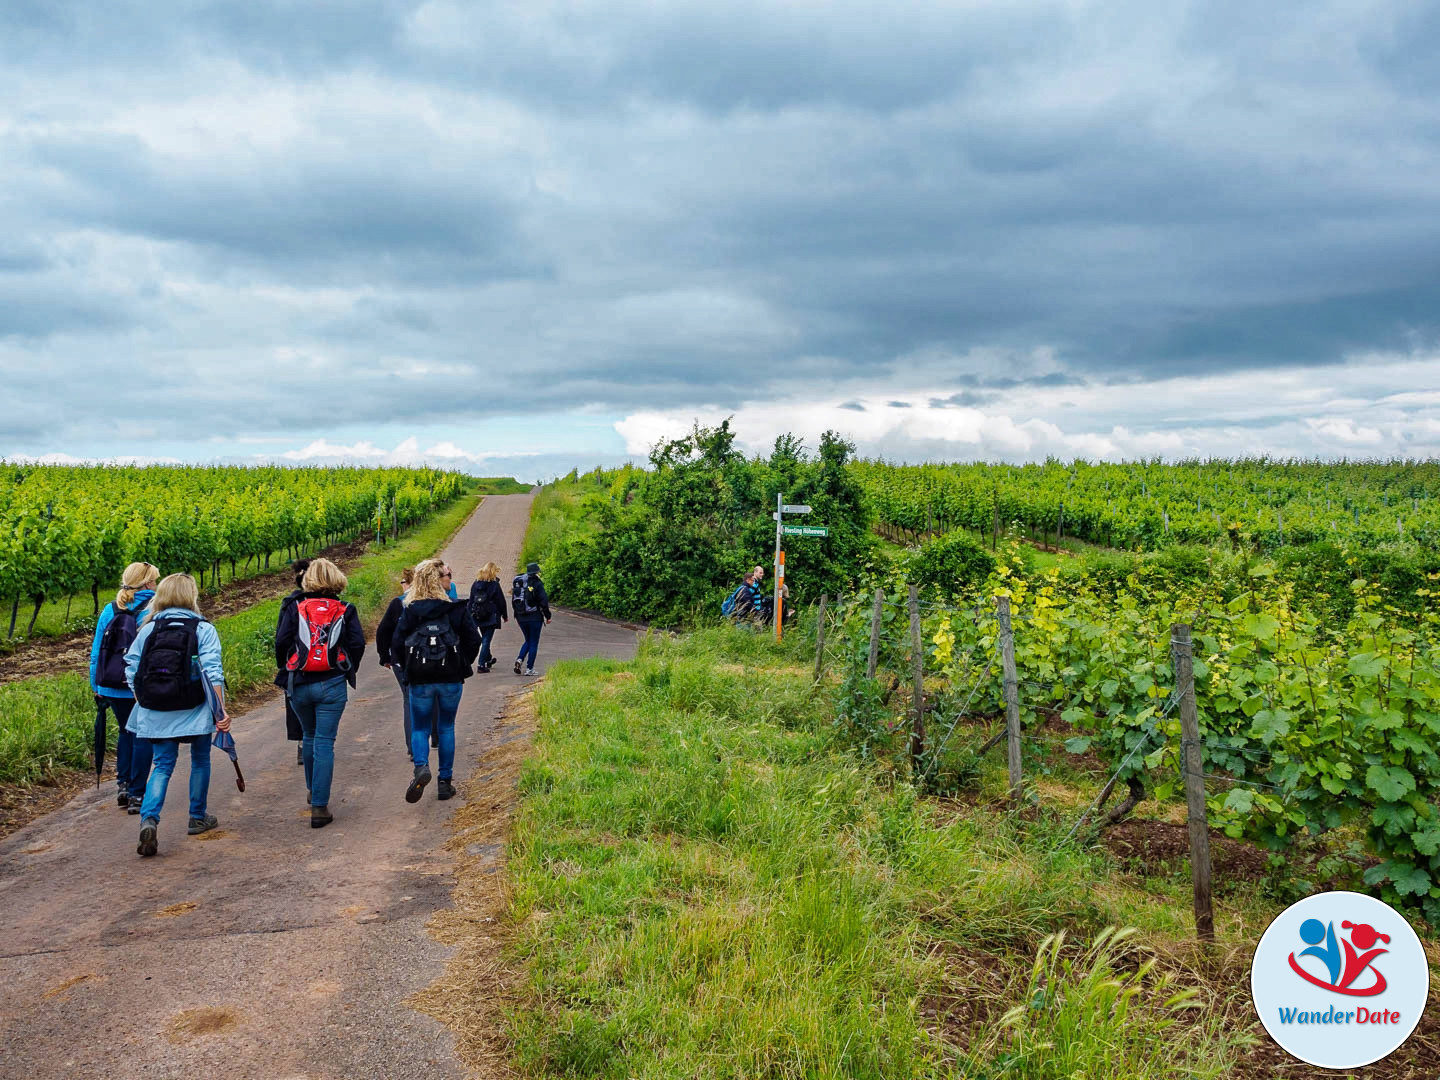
(265, 949)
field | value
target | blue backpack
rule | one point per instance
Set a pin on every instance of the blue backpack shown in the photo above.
(728, 607)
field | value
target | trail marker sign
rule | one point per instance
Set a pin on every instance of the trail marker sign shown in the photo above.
(805, 530)
(796, 508)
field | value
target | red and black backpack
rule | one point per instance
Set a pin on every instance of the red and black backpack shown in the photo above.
(320, 622)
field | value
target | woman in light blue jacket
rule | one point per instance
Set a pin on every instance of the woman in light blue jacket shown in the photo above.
(169, 676)
(111, 688)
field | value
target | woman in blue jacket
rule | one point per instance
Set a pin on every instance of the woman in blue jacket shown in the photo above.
(107, 680)
(176, 600)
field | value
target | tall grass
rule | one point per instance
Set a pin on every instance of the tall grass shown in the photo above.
(705, 886)
(46, 722)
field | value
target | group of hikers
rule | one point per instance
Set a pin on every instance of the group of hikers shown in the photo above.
(750, 602)
(155, 663)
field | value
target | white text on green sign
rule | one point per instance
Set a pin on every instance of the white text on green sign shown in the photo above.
(805, 530)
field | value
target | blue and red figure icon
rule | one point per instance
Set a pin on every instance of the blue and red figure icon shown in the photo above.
(1357, 957)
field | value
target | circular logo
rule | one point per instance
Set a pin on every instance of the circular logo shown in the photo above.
(1339, 980)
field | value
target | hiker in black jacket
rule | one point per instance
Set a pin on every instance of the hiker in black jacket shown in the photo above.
(487, 608)
(391, 655)
(532, 612)
(318, 665)
(438, 640)
(293, 733)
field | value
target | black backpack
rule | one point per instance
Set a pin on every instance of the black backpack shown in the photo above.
(482, 606)
(168, 677)
(432, 651)
(114, 644)
(520, 593)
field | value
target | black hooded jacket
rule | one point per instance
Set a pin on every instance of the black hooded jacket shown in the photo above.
(418, 612)
(352, 641)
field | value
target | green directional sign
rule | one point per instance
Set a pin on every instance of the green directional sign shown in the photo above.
(805, 530)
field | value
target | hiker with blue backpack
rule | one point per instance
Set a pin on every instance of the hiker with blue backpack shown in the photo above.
(115, 632)
(438, 642)
(174, 650)
(320, 643)
(531, 608)
(487, 608)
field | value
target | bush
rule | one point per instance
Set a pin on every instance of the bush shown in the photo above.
(951, 565)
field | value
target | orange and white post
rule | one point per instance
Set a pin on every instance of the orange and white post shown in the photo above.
(779, 593)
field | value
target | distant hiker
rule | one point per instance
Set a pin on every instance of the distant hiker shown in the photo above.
(385, 646)
(740, 604)
(115, 632)
(320, 642)
(532, 613)
(439, 642)
(174, 650)
(487, 608)
(293, 731)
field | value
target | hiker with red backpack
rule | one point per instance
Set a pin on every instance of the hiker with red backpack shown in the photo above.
(319, 641)
(438, 642)
(172, 655)
(115, 632)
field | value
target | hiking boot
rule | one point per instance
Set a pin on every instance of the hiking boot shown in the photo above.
(529, 671)
(320, 816)
(148, 844)
(122, 799)
(517, 667)
(417, 785)
(202, 824)
(135, 803)
(444, 789)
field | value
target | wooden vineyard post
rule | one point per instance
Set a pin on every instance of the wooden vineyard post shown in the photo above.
(875, 634)
(820, 638)
(1012, 695)
(1192, 767)
(917, 649)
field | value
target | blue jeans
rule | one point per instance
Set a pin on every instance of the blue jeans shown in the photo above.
(531, 629)
(166, 752)
(132, 755)
(319, 705)
(434, 703)
(486, 633)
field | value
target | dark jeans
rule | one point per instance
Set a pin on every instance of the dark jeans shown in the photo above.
(166, 752)
(319, 706)
(132, 755)
(486, 633)
(531, 629)
(434, 704)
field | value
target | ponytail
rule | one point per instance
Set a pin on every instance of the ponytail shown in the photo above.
(137, 575)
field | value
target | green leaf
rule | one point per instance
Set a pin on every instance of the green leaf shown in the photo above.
(1079, 744)
(1365, 665)
(1262, 626)
(1240, 801)
(1390, 783)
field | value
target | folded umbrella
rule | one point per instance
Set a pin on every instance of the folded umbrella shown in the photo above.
(223, 739)
(100, 740)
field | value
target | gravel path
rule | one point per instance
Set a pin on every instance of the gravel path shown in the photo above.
(266, 948)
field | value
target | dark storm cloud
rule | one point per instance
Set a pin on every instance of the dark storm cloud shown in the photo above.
(640, 206)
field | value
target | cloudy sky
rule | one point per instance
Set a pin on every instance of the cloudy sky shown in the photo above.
(517, 237)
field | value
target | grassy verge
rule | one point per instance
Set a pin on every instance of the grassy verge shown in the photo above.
(559, 511)
(703, 884)
(46, 723)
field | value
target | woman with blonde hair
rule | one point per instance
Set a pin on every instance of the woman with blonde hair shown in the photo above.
(115, 632)
(439, 642)
(487, 608)
(175, 649)
(320, 642)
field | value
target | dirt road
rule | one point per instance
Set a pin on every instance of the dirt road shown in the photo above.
(266, 948)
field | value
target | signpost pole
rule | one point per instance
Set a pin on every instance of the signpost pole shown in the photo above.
(776, 569)
(779, 595)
